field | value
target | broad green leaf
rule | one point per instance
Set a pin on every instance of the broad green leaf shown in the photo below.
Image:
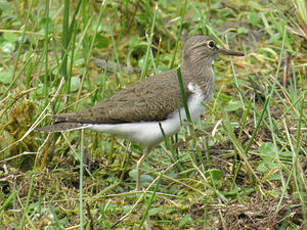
(102, 41)
(10, 37)
(6, 76)
(75, 84)
(214, 174)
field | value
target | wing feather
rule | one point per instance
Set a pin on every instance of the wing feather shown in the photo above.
(152, 99)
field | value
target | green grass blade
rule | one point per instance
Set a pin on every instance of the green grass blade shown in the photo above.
(183, 10)
(66, 39)
(81, 180)
(183, 96)
(149, 44)
(46, 42)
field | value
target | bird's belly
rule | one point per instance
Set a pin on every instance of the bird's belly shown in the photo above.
(145, 133)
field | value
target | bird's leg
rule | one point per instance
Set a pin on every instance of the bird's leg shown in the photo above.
(139, 168)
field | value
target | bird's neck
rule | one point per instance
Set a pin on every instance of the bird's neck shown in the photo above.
(199, 72)
(199, 69)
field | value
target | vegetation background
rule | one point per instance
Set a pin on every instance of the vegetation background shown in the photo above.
(242, 165)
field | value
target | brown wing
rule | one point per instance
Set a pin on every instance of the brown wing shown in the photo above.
(152, 99)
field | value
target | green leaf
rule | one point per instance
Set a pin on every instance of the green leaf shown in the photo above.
(101, 41)
(8, 46)
(75, 84)
(224, 97)
(132, 174)
(43, 25)
(10, 37)
(234, 192)
(253, 18)
(146, 179)
(187, 219)
(154, 211)
(275, 177)
(273, 193)
(214, 174)
(233, 106)
(6, 76)
(267, 150)
(262, 168)
(275, 38)
(133, 42)
(6, 7)
(242, 30)
(255, 5)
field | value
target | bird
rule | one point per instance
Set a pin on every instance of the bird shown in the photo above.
(147, 110)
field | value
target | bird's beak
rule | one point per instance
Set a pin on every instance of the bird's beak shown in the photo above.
(229, 52)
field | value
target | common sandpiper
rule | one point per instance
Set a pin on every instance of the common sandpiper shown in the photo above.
(142, 110)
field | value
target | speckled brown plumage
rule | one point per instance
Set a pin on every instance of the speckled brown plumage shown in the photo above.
(152, 99)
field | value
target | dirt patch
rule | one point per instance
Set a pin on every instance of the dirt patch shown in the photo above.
(262, 214)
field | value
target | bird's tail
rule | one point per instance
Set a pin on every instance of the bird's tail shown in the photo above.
(62, 126)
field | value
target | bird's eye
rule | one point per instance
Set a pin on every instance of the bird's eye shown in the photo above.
(211, 44)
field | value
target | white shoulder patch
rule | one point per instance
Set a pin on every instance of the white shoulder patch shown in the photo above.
(195, 89)
(195, 100)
